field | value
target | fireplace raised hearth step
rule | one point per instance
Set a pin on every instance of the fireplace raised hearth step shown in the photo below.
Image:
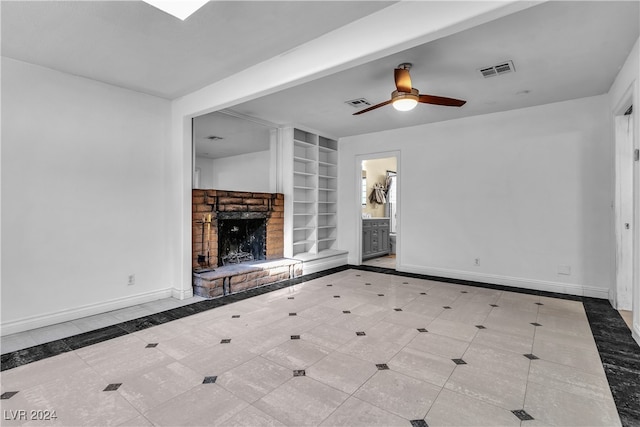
(230, 279)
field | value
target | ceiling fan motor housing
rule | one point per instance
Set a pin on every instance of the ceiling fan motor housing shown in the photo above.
(414, 94)
(404, 101)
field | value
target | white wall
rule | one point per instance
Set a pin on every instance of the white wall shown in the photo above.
(205, 165)
(83, 196)
(246, 172)
(526, 191)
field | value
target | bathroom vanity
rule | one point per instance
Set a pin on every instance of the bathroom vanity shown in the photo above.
(375, 237)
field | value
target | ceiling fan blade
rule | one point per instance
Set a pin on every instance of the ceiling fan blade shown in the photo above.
(403, 80)
(373, 107)
(440, 100)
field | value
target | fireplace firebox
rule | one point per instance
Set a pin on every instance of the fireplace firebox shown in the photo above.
(241, 240)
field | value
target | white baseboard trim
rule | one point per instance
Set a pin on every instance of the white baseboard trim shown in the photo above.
(33, 322)
(314, 266)
(182, 294)
(516, 282)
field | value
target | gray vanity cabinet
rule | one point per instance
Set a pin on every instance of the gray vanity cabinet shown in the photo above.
(375, 237)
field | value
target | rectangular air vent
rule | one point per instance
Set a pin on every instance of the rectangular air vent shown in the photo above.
(505, 67)
(358, 103)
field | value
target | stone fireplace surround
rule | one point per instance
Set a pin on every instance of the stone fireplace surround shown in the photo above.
(234, 278)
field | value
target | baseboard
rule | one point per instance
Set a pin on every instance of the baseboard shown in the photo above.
(33, 322)
(539, 285)
(636, 332)
(314, 266)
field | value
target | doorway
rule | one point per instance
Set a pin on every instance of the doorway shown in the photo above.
(626, 296)
(379, 212)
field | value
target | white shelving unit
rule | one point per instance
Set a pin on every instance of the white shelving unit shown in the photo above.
(310, 177)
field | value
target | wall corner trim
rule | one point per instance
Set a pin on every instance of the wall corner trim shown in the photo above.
(182, 294)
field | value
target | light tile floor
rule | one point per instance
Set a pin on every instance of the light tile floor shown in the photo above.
(627, 316)
(369, 350)
(386, 261)
(13, 342)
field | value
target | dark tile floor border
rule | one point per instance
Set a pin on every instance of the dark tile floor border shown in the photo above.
(619, 353)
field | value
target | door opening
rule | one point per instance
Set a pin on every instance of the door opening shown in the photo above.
(379, 212)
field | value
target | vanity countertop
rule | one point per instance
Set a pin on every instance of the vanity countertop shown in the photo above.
(376, 217)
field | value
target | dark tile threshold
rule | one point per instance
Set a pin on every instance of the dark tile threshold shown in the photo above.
(619, 353)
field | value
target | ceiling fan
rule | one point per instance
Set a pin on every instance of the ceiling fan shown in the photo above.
(405, 97)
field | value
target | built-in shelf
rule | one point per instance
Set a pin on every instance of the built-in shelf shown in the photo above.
(311, 218)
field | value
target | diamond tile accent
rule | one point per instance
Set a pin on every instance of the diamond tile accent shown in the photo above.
(293, 314)
(522, 415)
(360, 334)
(225, 341)
(405, 283)
(382, 366)
(539, 303)
(419, 423)
(422, 330)
(459, 361)
(357, 275)
(464, 292)
(209, 380)
(336, 296)
(112, 387)
(299, 373)
(397, 309)
(367, 284)
(494, 305)
(423, 293)
(531, 356)
(536, 324)
(446, 307)
(235, 316)
(290, 298)
(8, 395)
(329, 284)
(152, 345)
(346, 312)
(295, 337)
(481, 327)
(380, 295)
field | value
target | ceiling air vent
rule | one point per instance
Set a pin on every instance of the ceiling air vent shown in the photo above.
(357, 103)
(505, 67)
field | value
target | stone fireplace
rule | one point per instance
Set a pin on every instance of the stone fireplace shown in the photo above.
(229, 209)
(238, 241)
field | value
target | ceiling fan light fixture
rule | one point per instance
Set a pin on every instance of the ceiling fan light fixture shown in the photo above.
(403, 101)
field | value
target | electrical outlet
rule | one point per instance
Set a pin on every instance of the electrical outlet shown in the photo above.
(476, 261)
(132, 280)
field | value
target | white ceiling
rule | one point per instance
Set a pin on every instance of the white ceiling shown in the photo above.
(134, 45)
(238, 135)
(561, 50)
